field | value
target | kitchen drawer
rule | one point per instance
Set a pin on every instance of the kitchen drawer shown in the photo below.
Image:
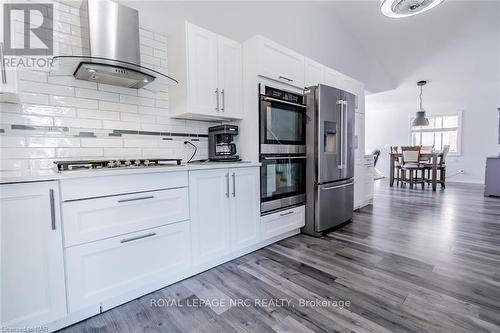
(121, 265)
(281, 222)
(99, 186)
(94, 219)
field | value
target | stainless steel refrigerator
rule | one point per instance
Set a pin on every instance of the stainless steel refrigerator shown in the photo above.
(330, 158)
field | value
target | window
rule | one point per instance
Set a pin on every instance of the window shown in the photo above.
(442, 130)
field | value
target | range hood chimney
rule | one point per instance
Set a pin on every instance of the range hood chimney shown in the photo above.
(110, 36)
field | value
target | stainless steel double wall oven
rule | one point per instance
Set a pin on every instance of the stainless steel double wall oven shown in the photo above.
(282, 119)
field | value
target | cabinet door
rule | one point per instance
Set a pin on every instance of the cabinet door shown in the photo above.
(245, 207)
(314, 73)
(202, 70)
(230, 78)
(359, 132)
(281, 64)
(33, 289)
(209, 193)
(119, 266)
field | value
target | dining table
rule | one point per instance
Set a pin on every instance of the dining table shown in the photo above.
(432, 156)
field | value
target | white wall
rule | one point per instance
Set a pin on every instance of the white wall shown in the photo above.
(464, 75)
(308, 27)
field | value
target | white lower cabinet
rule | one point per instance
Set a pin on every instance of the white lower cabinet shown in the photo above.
(31, 255)
(224, 211)
(244, 207)
(278, 223)
(94, 219)
(109, 268)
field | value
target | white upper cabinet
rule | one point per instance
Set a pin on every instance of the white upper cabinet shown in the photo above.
(276, 62)
(202, 70)
(8, 74)
(314, 73)
(209, 70)
(32, 292)
(230, 80)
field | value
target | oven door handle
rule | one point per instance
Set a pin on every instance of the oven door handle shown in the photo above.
(284, 102)
(285, 158)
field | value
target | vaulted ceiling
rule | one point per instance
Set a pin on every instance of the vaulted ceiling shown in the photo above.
(402, 46)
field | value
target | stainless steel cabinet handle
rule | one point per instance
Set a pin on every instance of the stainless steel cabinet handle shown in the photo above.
(284, 102)
(135, 199)
(217, 97)
(285, 78)
(287, 213)
(223, 108)
(338, 186)
(227, 184)
(2, 65)
(126, 240)
(52, 210)
(234, 184)
(284, 158)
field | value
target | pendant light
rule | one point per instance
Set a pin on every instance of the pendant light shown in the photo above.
(420, 119)
(405, 8)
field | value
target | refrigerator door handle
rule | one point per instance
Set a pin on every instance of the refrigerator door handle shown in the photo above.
(341, 151)
(344, 133)
(337, 186)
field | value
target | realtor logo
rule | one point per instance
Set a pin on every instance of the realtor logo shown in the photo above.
(28, 29)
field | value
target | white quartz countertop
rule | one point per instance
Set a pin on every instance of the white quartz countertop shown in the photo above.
(45, 175)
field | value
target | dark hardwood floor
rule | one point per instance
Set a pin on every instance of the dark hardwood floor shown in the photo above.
(415, 261)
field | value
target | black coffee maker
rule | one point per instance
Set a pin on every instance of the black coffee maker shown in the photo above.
(220, 143)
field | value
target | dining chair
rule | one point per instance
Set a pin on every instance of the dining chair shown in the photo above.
(441, 167)
(424, 160)
(411, 163)
(397, 164)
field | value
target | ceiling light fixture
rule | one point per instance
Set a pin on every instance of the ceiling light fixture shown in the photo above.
(405, 8)
(420, 118)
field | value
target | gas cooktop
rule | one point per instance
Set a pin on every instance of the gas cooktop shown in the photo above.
(115, 164)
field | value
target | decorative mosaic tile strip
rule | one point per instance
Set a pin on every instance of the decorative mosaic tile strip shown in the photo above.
(40, 128)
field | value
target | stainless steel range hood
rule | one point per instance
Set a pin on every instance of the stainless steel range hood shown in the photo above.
(110, 38)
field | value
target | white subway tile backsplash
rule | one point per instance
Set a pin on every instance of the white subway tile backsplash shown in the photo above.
(11, 165)
(116, 89)
(117, 106)
(96, 142)
(48, 110)
(71, 81)
(34, 98)
(78, 122)
(159, 103)
(137, 100)
(135, 117)
(12, 141)
(78, 152)
(66, 108)
(122, 152)
(20, 153)
(29, 75)
(158, 152)
(42, 142)
(122, 125)
(142, 143)
(22, 119)
(46, 88)
(98, 114)
(74, 101)
(160, 38)
(97, 94)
